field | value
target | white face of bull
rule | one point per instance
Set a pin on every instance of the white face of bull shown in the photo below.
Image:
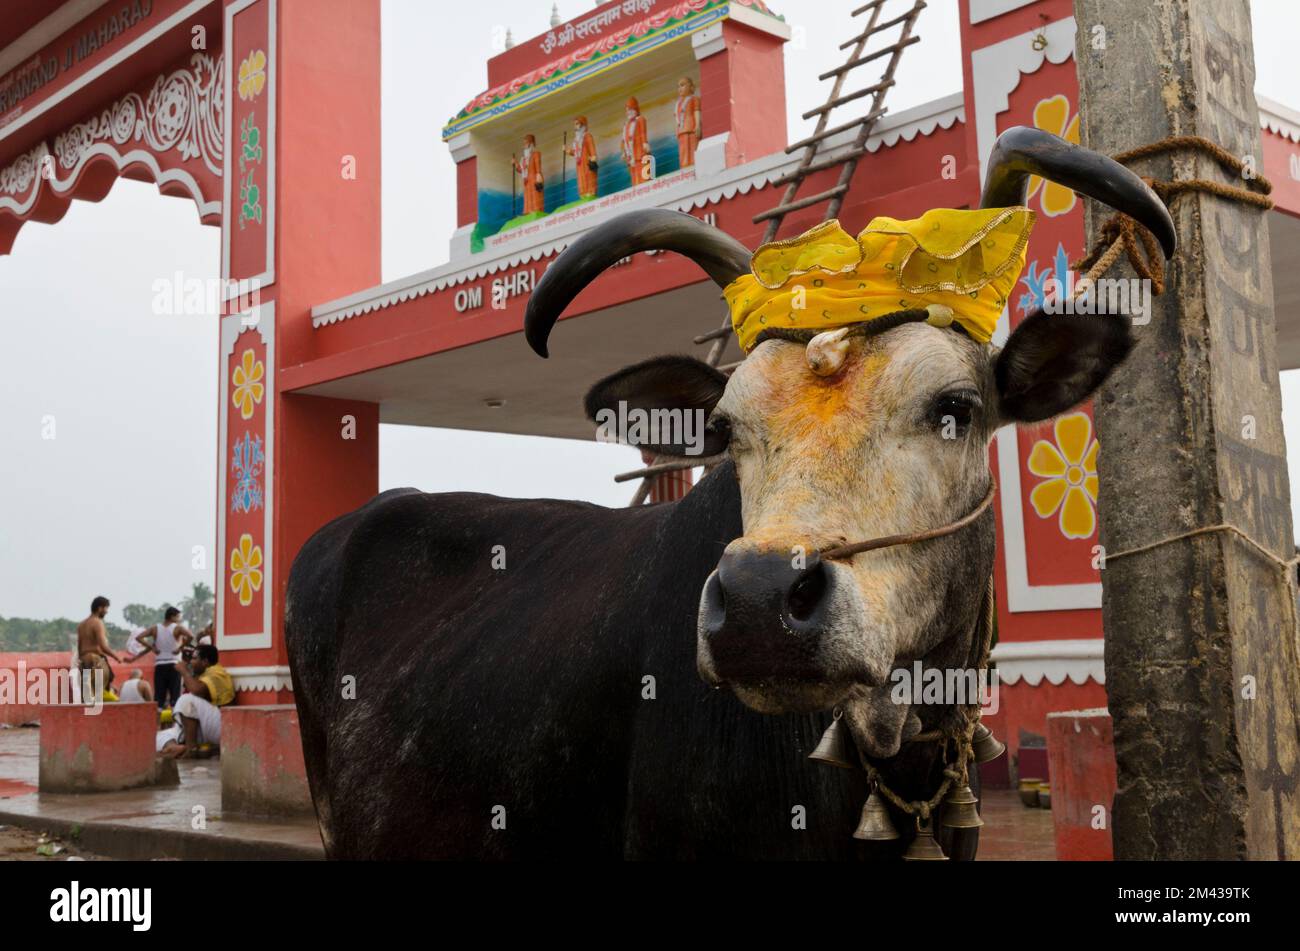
(894, 442)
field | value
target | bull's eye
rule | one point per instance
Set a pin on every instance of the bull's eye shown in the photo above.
(719, 434)
(953, 411)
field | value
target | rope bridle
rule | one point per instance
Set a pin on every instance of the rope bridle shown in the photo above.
(908, 538)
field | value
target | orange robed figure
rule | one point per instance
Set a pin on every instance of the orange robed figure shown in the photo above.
(583, 151)
(688, 122)
(529, 167)
(636, 145)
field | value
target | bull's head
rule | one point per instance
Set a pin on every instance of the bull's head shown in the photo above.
(878, 428)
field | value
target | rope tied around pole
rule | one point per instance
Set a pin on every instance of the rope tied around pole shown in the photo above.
(1286, 565)
(1121, 234)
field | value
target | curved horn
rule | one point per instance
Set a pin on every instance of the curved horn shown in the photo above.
(1021, 152)
(650, 229)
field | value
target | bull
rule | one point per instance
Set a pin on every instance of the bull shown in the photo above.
(649, 682)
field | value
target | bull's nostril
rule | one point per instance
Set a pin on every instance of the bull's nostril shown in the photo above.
(806, 593)
(714, 607)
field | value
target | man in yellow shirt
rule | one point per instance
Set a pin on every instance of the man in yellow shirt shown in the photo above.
(208, 688)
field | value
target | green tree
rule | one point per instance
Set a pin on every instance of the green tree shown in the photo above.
(198, 607)
(141, 615)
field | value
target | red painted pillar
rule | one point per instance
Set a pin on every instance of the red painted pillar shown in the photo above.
(1081, 747)
(301, 225)
(742, 90)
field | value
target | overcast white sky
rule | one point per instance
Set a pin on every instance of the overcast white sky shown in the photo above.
(116, 502)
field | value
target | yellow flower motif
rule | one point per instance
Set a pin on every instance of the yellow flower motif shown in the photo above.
(252, 75)
(246, 569)
(1070, 468)
(1053, 115)
(247, 380)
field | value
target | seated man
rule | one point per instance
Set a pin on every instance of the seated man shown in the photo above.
(209, 687)
(136, 689)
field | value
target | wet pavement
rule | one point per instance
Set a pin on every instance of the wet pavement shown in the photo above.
(182, 821)
(1012, 832)
(185, 821)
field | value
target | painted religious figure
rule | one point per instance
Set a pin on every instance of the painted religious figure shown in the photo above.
(636, 144)
(529, 167)
(583, 152)
(688, 122)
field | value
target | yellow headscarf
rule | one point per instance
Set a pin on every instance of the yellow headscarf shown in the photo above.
(968, 261)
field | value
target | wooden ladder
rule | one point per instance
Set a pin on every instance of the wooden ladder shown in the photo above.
(817, 156)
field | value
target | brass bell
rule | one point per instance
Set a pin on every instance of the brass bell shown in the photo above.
(923, 847)
(836, 747)
(875, 824)
(985, 745)
(959, 809)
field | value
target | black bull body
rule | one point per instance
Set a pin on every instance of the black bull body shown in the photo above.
(526, 688)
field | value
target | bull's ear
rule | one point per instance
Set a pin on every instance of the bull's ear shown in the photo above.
(664, 383)
(1054, 362)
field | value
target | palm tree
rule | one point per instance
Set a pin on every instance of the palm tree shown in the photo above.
(198, 607)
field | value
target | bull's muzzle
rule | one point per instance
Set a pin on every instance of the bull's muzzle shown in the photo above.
(763, 614)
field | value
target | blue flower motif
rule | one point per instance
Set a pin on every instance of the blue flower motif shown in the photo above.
(1036, 281)
(246, 462)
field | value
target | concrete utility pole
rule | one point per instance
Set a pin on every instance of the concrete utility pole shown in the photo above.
(1202, 650)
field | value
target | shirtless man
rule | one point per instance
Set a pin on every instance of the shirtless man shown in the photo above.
(93, 650)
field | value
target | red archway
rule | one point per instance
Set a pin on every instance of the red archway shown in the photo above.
(220, 102)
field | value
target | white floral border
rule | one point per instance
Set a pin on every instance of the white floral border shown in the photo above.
(182, 112)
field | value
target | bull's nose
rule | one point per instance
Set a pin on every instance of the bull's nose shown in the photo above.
(763, 612)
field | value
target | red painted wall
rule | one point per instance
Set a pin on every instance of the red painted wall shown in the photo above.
(528, 53)
(1279, 154)
(1022, 706)
(755, 64)
(47, 662)
(328, 227)
(466, 192)
(119, 741)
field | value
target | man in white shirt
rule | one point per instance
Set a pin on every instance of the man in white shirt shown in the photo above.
(136, 689)
(166, 640)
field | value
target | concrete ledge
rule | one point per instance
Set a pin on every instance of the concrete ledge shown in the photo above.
(132, 843)
(263, 772)
(82, 751)
(1081, 747)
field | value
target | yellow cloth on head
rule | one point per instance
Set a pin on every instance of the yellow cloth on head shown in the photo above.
(968, 261)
